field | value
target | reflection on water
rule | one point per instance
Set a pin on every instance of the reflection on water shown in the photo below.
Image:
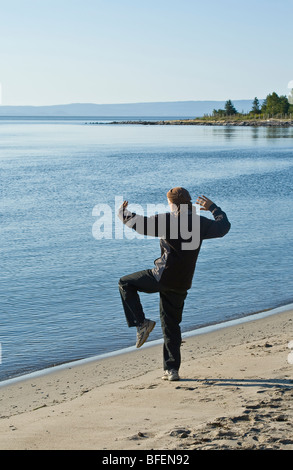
(253, 132)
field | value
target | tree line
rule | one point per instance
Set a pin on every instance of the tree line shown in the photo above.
(273, 106)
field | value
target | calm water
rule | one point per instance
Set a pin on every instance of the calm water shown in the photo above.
(59, 299)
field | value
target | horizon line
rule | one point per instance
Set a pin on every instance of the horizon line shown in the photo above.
(124, 103)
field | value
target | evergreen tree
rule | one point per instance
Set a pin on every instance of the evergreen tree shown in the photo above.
(229, 108)
(264, 106)
(275, 104)
(284, 104)
(255, 106)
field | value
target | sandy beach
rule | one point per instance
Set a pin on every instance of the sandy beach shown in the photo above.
(235, 392)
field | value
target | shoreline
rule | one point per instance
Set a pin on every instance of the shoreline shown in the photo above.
(195, 332)
(235, 392)
(271, 122)
(130, 349)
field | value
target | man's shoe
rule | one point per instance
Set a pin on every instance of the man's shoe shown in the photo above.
(143, 332)
(171, 375)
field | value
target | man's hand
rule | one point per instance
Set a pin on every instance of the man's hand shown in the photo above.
(204, 202)
(124, 205)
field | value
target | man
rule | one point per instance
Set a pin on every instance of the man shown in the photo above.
(181, 231)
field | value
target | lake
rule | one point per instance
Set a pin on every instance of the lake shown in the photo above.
(59, 295)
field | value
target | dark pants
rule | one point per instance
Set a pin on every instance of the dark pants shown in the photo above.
(171, 307)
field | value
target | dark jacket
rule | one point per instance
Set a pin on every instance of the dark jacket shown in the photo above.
(181, 238)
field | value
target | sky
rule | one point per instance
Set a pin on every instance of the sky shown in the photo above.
(128, 51)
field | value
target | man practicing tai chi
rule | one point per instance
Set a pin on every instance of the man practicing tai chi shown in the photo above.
(181, 232)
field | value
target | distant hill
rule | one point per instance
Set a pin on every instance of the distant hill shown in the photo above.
(162, 109)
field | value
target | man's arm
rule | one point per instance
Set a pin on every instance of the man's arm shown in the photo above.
(212, 228)
(154, 226)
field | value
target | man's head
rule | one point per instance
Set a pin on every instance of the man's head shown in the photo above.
(178, 196)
